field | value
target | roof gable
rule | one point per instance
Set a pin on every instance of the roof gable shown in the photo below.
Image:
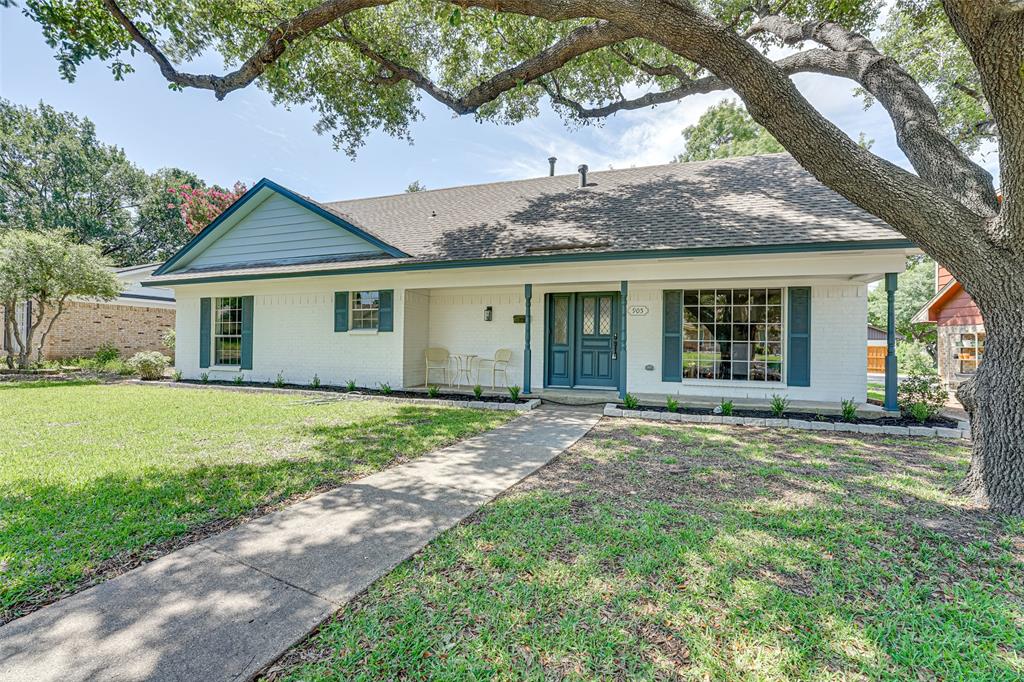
(271, 225)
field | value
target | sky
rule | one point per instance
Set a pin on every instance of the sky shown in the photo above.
(246, 137)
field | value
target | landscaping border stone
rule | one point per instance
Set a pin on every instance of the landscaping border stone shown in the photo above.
(613, 410)
(531, 404)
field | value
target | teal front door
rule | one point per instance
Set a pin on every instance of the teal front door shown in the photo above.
(582, 340)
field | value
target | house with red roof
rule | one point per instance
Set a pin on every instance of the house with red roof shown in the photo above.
(961, 329)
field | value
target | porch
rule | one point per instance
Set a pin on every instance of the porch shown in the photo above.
(589, 342)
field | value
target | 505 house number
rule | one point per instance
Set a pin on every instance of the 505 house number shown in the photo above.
(638, 310)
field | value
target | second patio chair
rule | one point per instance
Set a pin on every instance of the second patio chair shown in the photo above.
(498, 365)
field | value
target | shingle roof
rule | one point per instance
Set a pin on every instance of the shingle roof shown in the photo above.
(759, 202)
(749, 201)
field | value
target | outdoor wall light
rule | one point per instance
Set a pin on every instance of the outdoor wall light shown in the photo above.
(488, 314)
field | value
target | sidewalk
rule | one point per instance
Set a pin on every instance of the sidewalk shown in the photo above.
(225, 607)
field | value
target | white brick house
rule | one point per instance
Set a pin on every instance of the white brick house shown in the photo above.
(736, 278)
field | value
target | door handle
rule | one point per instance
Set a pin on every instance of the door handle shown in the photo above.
(615, 346)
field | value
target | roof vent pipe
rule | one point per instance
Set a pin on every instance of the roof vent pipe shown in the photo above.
(583, 174)
(551, 162)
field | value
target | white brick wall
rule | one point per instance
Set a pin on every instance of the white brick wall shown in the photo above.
(838, 358)
(294, 318)
(293, 333)
(457, 323)
(417, 337)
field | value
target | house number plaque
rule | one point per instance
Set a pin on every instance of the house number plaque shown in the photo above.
(638, 310)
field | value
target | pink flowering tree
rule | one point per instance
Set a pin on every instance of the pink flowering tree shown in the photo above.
(199, 206)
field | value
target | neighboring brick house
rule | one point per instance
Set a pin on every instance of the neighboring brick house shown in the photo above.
(134, 321)
(961, 330)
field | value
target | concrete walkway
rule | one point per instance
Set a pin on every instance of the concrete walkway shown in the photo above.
(225, 607)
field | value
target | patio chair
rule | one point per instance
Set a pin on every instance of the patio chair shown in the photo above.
(437, 359)
(498, 365)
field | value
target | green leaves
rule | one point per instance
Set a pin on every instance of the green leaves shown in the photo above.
(726, 130)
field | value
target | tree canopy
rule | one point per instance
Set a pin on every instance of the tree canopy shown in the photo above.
(724, 130)
(57, 176)
(363, 65)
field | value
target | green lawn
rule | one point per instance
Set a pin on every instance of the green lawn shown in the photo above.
(876, 391)
(675, 552)
(95, 478)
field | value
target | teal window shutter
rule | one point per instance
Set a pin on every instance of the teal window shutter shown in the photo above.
(341, 311)
(672, 333)
(205, 331)
(799, 360)
(387, 311)
(247, 332)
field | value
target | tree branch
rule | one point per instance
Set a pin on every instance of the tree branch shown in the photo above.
(577, 42)
(273, 47)
(811, 61)
(919, 131)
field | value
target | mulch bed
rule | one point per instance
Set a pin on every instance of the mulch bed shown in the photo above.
(807, 416)
(324, 388)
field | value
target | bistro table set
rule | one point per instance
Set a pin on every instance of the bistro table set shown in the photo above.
(457, 368)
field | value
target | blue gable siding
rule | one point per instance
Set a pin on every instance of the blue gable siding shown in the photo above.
(279, 230)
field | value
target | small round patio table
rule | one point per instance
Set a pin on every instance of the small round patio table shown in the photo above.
(463, 367)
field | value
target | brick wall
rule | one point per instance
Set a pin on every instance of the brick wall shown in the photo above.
(83, 327)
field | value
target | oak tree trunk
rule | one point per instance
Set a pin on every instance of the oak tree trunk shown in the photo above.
(994, 399)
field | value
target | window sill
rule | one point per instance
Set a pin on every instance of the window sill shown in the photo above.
(226, 368)
(363, 332)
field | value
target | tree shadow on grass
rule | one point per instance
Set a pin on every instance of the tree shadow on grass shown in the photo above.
(666, 552)
(57, 539)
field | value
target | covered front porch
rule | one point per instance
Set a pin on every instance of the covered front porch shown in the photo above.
(739, 339)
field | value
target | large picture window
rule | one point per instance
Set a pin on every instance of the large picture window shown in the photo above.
(227, 331)
(365, 310)
(732, 334)
(970, 349)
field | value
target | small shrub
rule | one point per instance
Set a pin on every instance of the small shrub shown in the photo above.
(315, 383)
(177, 375)
(279, 380)
(630, 402)
(922, 389)
(204, 377)
(779, 405)
(385, 388)
(921, 412)
(478, 391)
(239, 379)
(169, 339)
(727, 408)
(350, 385)
(671, 404)
(849, 410)
(433, 391)
(106, 353)
(149, 365)
(513, 392)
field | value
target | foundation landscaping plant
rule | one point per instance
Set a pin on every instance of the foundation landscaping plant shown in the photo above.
(512, 394)
(664, 552)
(98, 478)
(845, 412)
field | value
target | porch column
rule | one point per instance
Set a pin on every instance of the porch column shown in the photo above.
(624, 316)
(527, 353)
(891, 369)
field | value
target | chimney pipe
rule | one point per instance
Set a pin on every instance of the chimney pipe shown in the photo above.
(551, 162)
(583, 174)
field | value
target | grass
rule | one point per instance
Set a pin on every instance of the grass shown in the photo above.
(97, 478)
(675, 552)
(876, 391)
